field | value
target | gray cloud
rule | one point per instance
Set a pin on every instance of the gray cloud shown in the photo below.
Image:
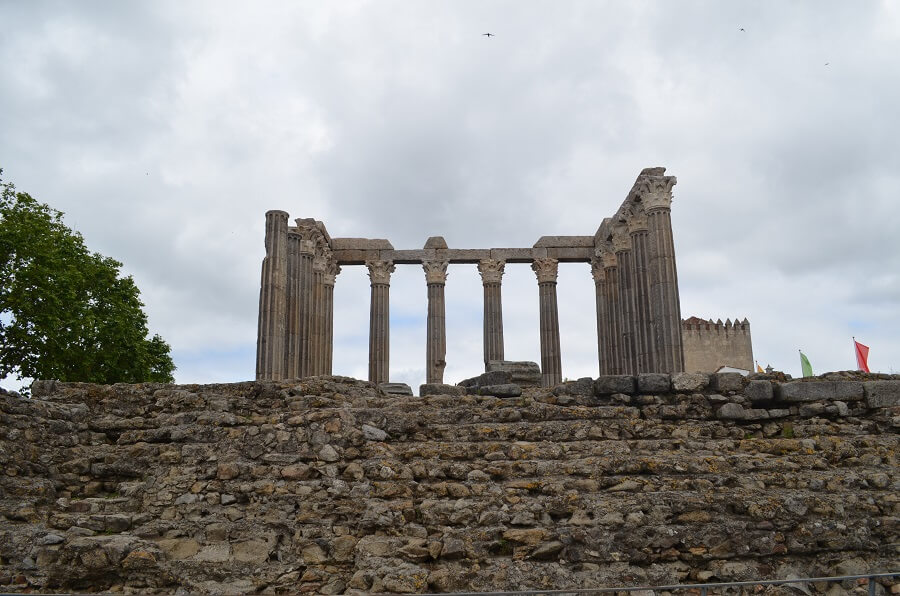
(165, 131)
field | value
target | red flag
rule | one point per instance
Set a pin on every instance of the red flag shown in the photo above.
(862, 354)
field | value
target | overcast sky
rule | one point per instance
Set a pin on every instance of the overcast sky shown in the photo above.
(166, 130)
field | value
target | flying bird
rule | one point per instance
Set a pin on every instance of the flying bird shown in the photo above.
(742, 29)
(827, 63)
(489, 34)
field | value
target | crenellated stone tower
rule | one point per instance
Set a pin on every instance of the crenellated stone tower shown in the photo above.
(632, 258)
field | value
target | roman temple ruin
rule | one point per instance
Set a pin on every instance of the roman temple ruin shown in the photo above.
(632, 258)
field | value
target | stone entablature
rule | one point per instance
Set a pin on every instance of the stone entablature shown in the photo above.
(632, 257)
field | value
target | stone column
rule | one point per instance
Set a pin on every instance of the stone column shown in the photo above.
(622, 246)
(307, 250)
(665, 307)
(379, 320)
(317, 329)
(292, 316)
(643, 341)
(272, 300)
(491, 274)
(602, 330)
(331, 272)
(613, 319)
(551, 360)
(436, 341)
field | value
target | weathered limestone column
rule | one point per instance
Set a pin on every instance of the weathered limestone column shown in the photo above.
(436, 341)
(292, 321)
(551, 359)
(613, 321)
(307, 251)
(627, 323)
(379, 320)
(491, 271)
(272, 300)
(665, 307)
(332, 270)
(602, 329)
(643, 341)
(317, 330)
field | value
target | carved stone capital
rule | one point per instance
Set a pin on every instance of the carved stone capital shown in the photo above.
(331, 272)
(597, 271)
(320, 261)
(380, 271)
(656, 192)
(435, 271)
(621, 240)
(609, 260)
(546, 270)
(307, 245)
(637, 222)
(491, 270)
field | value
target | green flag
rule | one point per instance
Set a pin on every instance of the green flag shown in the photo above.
(805, 365)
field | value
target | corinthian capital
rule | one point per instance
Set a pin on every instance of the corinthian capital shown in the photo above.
(491, 270)
(656, 191)
(637, 222)
(609, 260)
(435, 271)
(597, 271)
(380, 271)
(545, 269)
(331, 272)
(621, 241)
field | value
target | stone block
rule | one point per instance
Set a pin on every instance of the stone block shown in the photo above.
(408, 257)
(440, 389)
(759, 391)
(565, 241)
(800, 391)
(654, 383)
(727, 381)
(609, 384)
(494, 377)
(583, 387)
(731, 412)
(40, 388)
(467, 255)
(522, 372)
(505, 390)
(690, 382)
(512, 255)
(881, 394)
(571, 255)
(395, 388)
(361, 244)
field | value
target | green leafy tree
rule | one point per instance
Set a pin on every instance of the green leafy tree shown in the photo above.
(65, 313)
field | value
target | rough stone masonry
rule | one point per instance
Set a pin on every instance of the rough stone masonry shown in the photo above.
(329, 485)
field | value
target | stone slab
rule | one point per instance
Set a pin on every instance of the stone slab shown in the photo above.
(512, 255)
(582, 387)
(727, 381)
(440, 389)
(395, 388)
(408, 257)
(522, 372)
(799, 391)
(565, 242)
(571, 254)
(654, 383)
(496, 377)
(731, 411)
(468, 255)
(609, 384)
(759, 391)
(882, 394)
(690, 382)
(361, 244)
(505, 390)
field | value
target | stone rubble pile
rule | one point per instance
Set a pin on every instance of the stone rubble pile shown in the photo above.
(331, 485)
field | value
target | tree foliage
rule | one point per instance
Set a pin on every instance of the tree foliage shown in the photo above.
(65, 313)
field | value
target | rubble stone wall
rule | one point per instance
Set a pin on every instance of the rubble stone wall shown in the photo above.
(327, 485)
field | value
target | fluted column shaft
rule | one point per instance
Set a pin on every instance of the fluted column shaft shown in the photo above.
(602, 330)
(645, 360)
(379, 320)
(613, 319)
(331, 273)
(292, 318)
(664, 300)
(626, 311)
(436, 340)
(272, 300)
(551, 358)
(305, 302)
(317, 329)
(491, 275)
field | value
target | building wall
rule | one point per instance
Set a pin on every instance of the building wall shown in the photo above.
(709, 345)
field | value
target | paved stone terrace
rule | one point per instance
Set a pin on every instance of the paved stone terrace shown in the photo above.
(327, 485)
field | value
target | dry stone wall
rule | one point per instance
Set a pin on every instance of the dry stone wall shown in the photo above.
(329, 485)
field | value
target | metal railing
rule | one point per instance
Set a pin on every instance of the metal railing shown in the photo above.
(703, 589)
